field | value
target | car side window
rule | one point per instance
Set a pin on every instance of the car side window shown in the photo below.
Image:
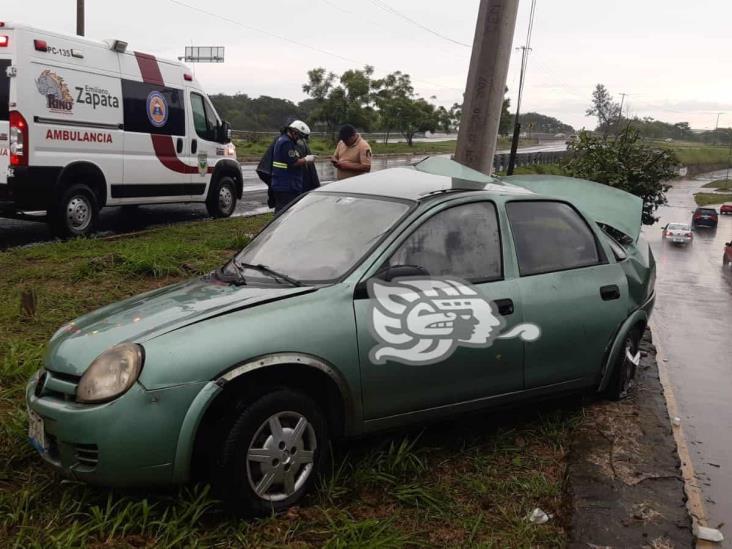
(463, 241)
(205, 127)
(550, 236)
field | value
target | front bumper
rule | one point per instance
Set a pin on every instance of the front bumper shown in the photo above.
(130, 441)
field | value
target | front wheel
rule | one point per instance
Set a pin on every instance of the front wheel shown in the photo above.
(623, 376)
(271, 456)
(221, 200)
(76, 213)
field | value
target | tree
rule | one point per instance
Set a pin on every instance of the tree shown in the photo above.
(545, 124)
(604, 108)
(626, 163)
(400, 109)
(340, 100)
(505, 124)
(389, 94)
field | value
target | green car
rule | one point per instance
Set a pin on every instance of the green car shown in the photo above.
(388, 299)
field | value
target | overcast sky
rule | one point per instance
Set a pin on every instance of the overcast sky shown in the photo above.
(672, 57)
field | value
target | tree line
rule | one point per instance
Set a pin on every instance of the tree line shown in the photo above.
(610, 120)
(389, 105)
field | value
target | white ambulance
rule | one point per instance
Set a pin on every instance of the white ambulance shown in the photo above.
(87, 124)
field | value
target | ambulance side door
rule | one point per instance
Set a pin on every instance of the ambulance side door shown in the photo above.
(156, 135)
(204, 148)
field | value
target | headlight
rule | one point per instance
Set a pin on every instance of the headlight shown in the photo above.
(111, 373)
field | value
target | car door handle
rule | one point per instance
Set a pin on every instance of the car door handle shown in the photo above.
(194, 146)
(179, 145)
(505, 306)
(610, 292)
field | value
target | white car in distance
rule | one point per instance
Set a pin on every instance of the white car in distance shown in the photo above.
(678, 233)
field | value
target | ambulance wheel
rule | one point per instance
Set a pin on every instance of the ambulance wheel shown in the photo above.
(221, 200)
(76, 213)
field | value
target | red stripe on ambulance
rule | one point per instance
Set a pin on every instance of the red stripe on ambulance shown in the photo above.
(162, 144)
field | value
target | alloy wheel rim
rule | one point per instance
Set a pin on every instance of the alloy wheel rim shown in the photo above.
(78, 213)
(226, 199)
(280, 456)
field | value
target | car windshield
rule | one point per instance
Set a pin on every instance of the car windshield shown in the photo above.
(678, 227)
(321, 237)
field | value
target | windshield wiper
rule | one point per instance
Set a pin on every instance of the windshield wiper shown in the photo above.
(264, 269)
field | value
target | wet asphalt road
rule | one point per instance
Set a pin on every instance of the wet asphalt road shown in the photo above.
(692, 324)
(116, 220)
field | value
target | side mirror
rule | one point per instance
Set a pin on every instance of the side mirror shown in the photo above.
(388, 274)
(401, 271)
(223, 133)
(728, 244)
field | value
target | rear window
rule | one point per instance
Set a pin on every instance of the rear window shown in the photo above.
(707, 210)
(678, 227)
(4, 90)
(550, 236)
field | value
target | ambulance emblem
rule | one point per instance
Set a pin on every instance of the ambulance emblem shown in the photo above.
(202, 164)
(157, 109)
(56, 91)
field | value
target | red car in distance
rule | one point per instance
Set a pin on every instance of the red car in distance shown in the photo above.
(725, 209)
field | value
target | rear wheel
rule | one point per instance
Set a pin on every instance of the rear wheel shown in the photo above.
(76, 213)
(623, 376)
(221, 200)
(271, 456)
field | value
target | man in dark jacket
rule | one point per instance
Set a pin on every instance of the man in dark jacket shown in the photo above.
(310, 179)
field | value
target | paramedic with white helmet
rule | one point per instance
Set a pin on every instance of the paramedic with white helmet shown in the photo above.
(287, 165)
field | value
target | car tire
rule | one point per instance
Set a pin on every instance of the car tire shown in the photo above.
(622, 379)
(272, 454)
(76, 213)
(221, 200)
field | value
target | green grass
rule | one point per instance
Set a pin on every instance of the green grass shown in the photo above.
(705, 199)
(719, 184)
(248, 150)
(693, 154)
(468, 483)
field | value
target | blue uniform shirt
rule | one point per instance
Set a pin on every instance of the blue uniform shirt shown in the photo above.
(286, 177)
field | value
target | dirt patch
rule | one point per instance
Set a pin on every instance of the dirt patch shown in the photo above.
(625, 481)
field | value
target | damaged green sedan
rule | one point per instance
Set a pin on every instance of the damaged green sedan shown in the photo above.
(383, 300)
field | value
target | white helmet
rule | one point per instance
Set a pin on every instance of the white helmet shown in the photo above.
(300, 126)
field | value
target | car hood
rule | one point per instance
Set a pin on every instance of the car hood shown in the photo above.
(618, 209)
(146, 316)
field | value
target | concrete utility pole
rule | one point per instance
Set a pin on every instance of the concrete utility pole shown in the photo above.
(80, 17)
(620, 114)
(484, 91)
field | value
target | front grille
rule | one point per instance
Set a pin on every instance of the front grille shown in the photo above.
(87, 455)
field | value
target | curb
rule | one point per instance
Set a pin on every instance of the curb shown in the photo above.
(625, 478)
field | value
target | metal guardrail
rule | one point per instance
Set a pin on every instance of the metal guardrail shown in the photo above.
(500, 161)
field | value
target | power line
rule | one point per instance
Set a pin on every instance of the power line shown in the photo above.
(379, 26)
(296, 42)
(261, 31)
(386, 7)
